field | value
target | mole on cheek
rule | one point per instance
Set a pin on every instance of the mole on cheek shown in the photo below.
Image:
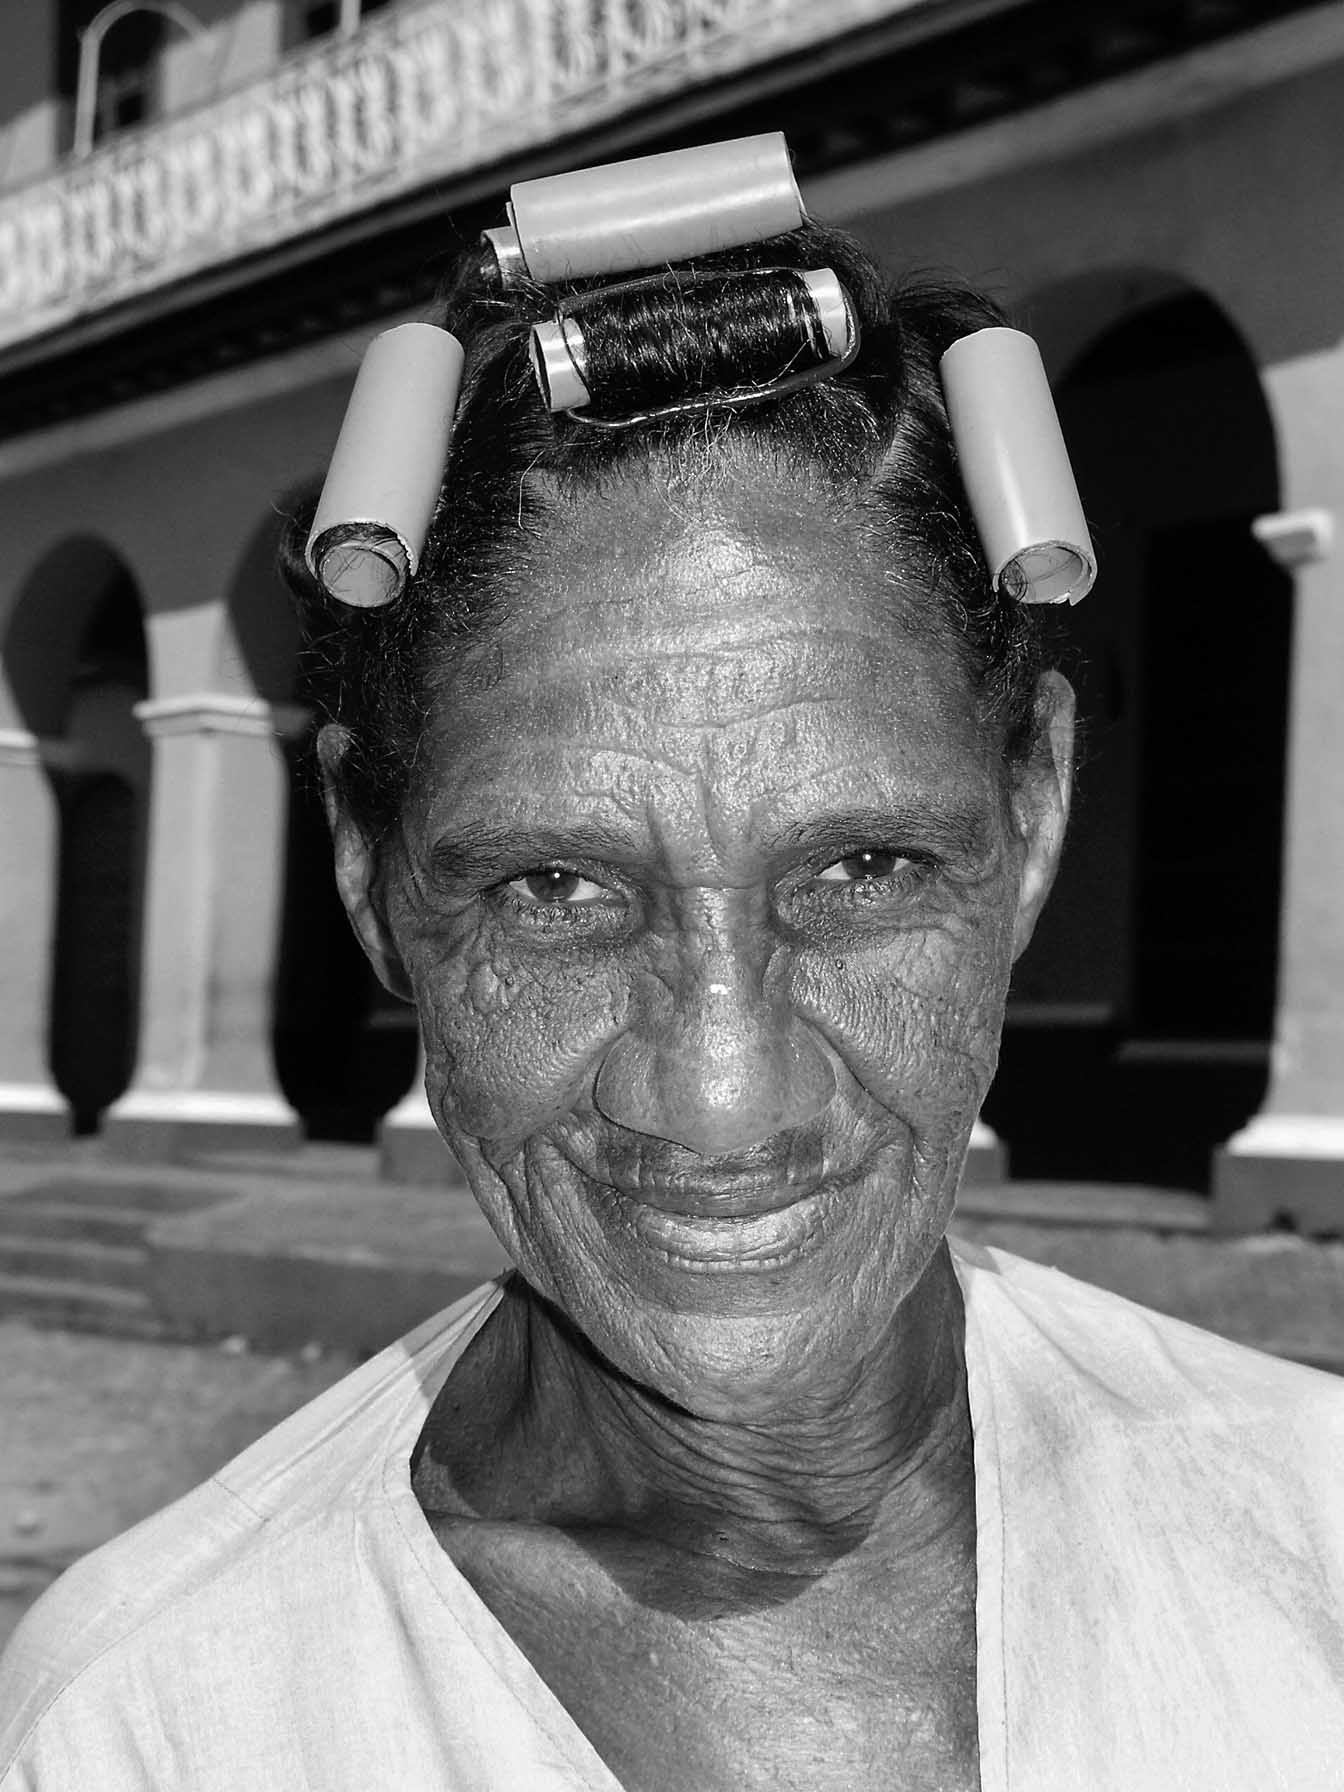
(488, 991)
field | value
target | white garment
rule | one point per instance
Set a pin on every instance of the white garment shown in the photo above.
(1160, 1602)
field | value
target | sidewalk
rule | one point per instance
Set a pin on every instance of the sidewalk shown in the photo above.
(99, 1432)
(312, 1248)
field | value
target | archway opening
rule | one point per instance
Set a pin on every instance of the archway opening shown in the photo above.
(1141, 1017)
(77, 662)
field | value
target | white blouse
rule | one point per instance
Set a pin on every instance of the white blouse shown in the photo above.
(1160, 1598)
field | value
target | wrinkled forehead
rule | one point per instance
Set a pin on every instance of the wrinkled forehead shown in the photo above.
(743, 647)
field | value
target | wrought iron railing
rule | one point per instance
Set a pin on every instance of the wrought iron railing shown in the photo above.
(420, 93)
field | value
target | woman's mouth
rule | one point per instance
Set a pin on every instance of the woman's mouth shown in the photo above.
(757, 1238)
(719, 1194)
(761, 1179)
(751, 1211)
(754, 1209)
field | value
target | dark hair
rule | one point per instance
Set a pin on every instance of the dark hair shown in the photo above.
(877, 435)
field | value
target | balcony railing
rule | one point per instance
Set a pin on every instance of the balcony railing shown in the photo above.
(420, 93)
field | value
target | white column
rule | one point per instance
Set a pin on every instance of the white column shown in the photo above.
(31, 1107)
(205, 1080)
(1289, 1161)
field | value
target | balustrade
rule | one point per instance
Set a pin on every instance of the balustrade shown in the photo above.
(420, 93)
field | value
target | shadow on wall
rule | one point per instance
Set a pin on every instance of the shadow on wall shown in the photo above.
(1141, 1017)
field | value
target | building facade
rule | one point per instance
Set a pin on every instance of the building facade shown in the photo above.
(205, 212)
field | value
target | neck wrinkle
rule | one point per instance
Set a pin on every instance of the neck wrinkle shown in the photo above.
(809, 1487)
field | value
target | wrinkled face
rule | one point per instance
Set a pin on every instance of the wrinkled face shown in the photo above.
(708, 898)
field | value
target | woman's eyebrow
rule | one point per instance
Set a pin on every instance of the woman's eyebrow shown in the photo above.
(479, 851)
(953, 827)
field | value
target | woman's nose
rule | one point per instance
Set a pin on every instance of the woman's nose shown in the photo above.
(722, 1066)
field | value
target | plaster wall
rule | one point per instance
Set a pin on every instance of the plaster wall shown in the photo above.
(30, 113)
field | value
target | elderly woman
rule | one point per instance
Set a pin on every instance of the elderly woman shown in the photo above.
(700, 783)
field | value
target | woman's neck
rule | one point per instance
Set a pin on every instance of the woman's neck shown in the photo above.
(536, 1426)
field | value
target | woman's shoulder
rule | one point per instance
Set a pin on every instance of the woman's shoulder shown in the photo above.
(1086, 1370)
(275, 1500)
(1163, 1511)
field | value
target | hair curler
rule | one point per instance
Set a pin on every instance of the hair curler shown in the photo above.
(1016, 469)
(560, 362)
(643, 213)
(383, 482)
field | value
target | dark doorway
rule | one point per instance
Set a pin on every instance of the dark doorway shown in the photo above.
(1141, 1017)
(345, 1050)
(94, 993)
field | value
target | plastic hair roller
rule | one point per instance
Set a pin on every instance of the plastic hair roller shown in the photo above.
(387, 467)
(646, 212)
(1016, 468)
(559, 360)
(560, 364)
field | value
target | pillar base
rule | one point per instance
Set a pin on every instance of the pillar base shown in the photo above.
(1281, 1167)
(167, 1126)
(33, 1114)
(987, 1158)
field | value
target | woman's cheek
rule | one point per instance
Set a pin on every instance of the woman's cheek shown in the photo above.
(915, 1021)
(510, 1045)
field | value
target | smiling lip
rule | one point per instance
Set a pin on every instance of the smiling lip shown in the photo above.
(728, 1195)
(740, 1187)
(765, 1239)
(728, 1187)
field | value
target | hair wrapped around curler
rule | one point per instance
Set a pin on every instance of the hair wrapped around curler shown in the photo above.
(684, 340)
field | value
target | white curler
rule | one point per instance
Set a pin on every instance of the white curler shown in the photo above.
(1015, 468)
(649, 211)
(833, 310)
(560, 364)
(387, 466)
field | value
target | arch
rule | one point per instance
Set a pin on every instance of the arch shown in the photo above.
(76, 662)
(91, 41)
(42, 641)
(1141, 1017)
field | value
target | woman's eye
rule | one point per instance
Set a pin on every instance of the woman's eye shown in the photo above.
(859, 867)
(549, 885)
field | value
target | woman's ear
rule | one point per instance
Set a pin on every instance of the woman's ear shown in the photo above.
(1042, 792)
(356, 868)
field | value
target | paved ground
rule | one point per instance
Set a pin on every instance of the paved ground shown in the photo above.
(100, 1432)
